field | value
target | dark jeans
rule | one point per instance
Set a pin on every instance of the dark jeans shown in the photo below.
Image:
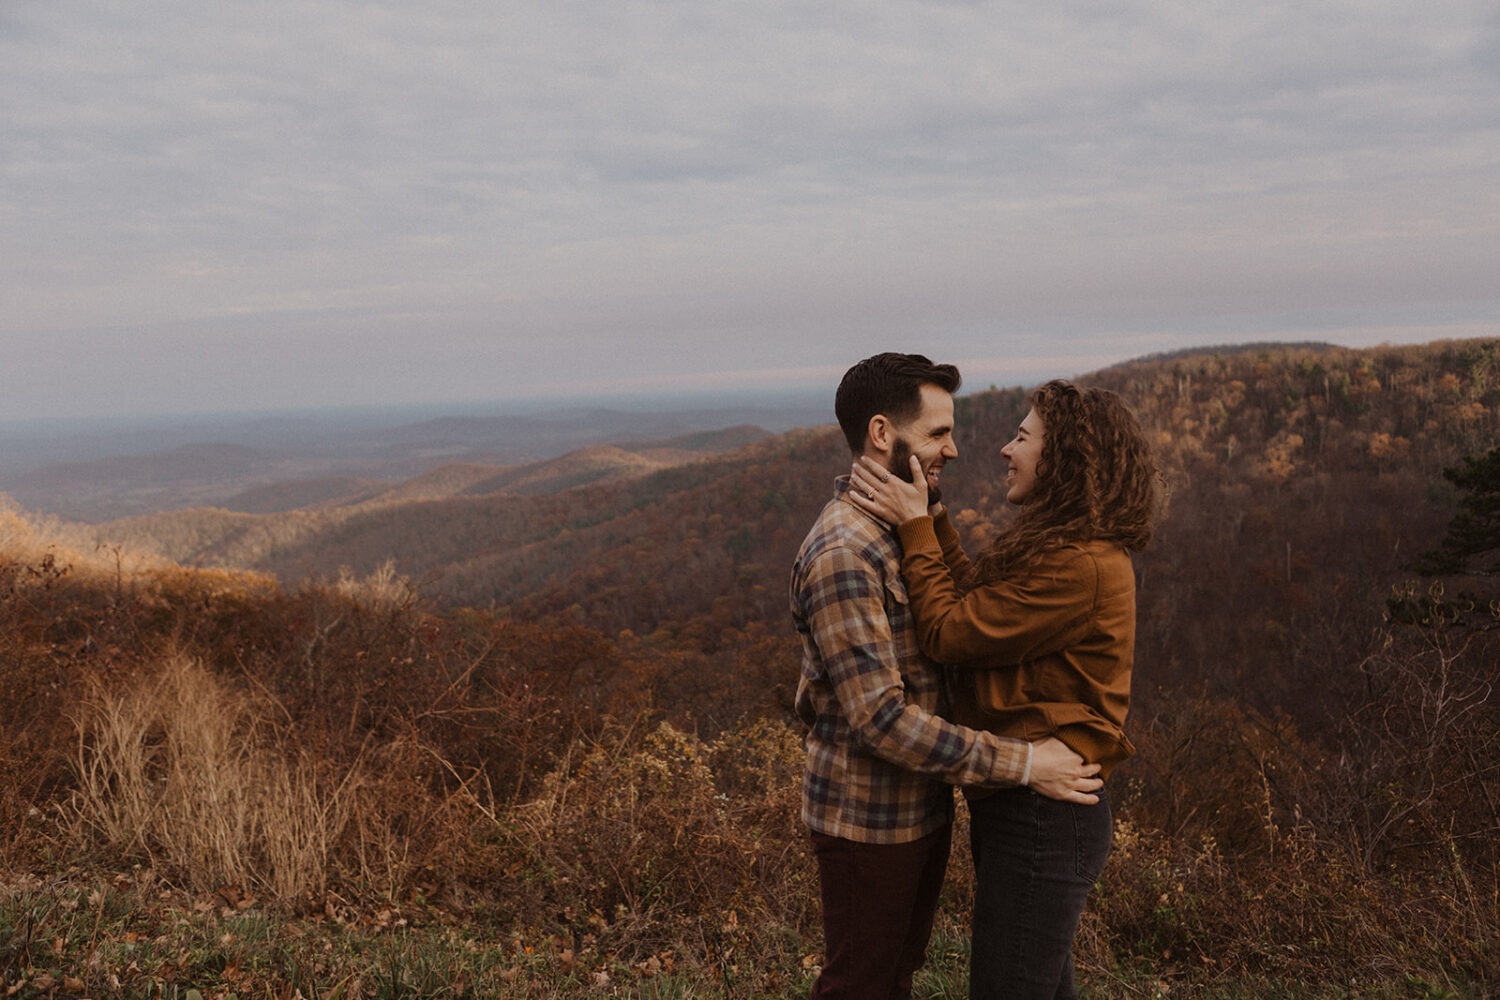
(1035, 860)
(879, 901)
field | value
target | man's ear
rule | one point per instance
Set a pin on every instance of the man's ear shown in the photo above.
(881, 433)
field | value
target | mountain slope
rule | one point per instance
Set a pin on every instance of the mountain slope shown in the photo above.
(1305, 482)
(214, 536)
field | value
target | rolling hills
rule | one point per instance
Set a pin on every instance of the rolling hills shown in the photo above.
(1306, 480)
(512, 703)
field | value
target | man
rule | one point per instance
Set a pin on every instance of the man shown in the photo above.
(876, 793)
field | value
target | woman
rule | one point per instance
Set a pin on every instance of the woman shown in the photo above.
(1040, 630)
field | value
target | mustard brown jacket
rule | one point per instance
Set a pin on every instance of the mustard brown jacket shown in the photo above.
(1048, 653)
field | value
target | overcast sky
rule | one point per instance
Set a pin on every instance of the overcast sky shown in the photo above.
(300, 203)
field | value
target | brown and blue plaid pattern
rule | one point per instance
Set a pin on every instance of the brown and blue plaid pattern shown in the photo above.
(880, 762)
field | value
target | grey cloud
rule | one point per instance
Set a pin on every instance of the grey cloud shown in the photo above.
(784, 176)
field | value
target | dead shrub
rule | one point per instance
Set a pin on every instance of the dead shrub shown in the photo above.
(1418, 754)
(637, 838)
(1312, 916)
(1361, 847)
(39, 596)
(383, 592)
(1208, 768)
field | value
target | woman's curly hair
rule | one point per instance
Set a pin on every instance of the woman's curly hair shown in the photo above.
(1096, 479)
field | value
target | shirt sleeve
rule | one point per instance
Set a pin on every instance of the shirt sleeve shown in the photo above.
(998, 624)
(848, 621)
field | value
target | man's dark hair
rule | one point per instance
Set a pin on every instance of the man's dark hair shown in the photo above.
(887, 383)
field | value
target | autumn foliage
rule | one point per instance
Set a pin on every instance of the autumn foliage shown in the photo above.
(564, 719)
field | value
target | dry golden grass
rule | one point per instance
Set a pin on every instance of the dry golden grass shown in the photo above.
(185, 770)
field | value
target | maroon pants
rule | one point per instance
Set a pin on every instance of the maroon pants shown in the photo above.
(879, 901)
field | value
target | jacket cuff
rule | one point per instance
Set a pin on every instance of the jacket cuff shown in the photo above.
(917, 533)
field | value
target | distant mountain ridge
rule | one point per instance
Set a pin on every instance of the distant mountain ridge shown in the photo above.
(575, 468)
(187, 475)
(1306, 482)
(1240, 431)
(231, 533)
(276, 465)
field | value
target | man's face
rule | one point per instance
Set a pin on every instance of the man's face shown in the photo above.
(929, 436)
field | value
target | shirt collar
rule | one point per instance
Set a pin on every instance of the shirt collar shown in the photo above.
(841, 487)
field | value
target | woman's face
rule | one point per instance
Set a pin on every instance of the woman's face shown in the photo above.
(1023, 453)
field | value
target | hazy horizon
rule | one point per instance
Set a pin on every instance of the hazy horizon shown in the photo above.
(36, 443)
(811, 389)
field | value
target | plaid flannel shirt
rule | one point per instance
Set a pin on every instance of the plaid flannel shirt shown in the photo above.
(879, 759)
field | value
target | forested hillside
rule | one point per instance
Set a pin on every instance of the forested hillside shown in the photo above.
(560, 721)
(1306, 480)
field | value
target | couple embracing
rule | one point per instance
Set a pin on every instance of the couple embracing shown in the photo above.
(1026, 713)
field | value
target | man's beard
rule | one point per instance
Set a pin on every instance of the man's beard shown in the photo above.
(901, 468)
